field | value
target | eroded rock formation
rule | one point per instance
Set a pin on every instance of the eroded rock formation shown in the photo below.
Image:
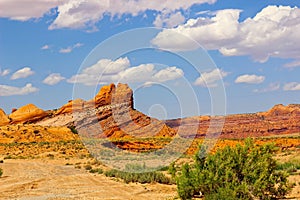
(4, 120)
(27, 114)
(278, 120)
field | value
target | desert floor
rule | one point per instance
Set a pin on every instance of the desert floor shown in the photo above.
(53, 179)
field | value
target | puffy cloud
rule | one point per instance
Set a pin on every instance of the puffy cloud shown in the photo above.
(45, 47)
(250, 78)
(25, 10)
(70, 48)
(273, 32)
(22, 73)
(85, 13)
(6, 90)
(77, 14)
(293, 86)
(141, 73)
(271, 87)
(169, 20)
(53, 79)
(211, 78)
(4, 72)
(120, 70)
(169, 73)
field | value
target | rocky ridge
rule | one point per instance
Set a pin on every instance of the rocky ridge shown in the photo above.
(111, 114)
(278, 120)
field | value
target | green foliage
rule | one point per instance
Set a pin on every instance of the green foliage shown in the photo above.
(98, 171)
(172, 169)
(1, 172)
(290, 167)
(145, 177)
(73, 129)
(242, 172)
(88, 167)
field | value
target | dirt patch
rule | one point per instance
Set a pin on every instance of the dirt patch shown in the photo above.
(53, 179)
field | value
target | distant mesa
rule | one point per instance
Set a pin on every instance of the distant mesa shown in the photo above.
(280, 109)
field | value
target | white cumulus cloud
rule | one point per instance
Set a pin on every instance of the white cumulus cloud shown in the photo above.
(84, 13)
(70, 48)
(272, 32)
(292, 86)
(210, 79)
(26, 9)
(22, 73)
(169, 20)
(250, 78)
(120, 70)
(53, 79)
(6, 90)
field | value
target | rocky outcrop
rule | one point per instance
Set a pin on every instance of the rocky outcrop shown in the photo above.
(4, 120)
(72, 105)
(27, 114)
(113, 116)
(278, 120)
(109, 115)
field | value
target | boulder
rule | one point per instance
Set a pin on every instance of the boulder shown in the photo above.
(26, 114)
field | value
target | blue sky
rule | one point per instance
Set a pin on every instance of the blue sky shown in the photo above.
(181, 58)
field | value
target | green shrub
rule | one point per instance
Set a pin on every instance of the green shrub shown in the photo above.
(98, 170)
(88, 167)
(73, 129)
(241, 172)
(290, 167)
(1, 172)
(145, 177)
(172, 169)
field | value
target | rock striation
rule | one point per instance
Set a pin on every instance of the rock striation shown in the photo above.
(110, 114)
(278, 120)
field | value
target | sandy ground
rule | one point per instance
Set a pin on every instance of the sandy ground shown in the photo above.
(51, 179)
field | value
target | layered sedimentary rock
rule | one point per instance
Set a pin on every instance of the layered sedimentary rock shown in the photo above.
(112, 115)
(27, 114)
(278, 120)
(4, 120)
(109, 114)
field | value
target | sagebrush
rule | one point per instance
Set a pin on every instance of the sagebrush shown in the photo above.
(240, 172)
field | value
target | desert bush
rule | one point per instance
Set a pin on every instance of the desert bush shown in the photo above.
(290, 167)
(145, 177)
(172, 169)
(1, 172)
(97, 170)
(88, 167)
(240, 172)
(73, 129)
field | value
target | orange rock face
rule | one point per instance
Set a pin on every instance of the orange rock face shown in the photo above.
(113, 116)
(4, 120)
(76, 104)
(278, 120)
(27, 114)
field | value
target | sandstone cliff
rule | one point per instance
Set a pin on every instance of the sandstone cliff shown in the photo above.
(278, 120)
